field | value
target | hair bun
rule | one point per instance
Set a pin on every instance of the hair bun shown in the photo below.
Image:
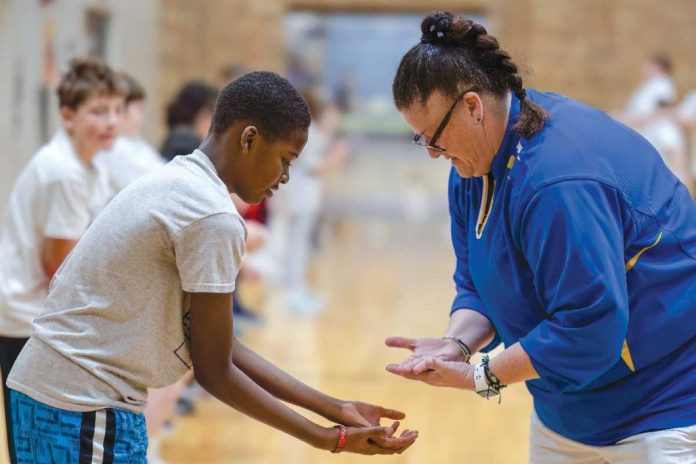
(437, 22)
(436, 27)
(444, 28)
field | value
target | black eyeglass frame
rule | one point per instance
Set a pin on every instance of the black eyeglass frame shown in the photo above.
(420, 141)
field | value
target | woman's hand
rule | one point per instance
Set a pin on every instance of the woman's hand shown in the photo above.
(435, 371)
(424, 348)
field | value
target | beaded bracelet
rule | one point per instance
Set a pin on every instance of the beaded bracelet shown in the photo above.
(493, 382)
(342, 438)
(466, 351)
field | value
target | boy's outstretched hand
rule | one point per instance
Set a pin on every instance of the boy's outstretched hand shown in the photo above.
(359, 414)
(378, 440)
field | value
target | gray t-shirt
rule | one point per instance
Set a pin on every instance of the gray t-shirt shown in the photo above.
(116, 321)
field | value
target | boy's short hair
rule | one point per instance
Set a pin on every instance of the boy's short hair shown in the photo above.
(134, 91)
(87, 77)
(266, 100)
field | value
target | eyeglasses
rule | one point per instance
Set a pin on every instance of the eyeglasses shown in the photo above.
(420, 140)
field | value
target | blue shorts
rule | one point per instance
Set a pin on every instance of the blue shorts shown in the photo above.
(44, 434)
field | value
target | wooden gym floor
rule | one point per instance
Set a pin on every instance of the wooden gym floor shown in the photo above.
(384, 269)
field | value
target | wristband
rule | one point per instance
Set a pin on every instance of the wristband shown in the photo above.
(486, 383)
(342, 438)
(466, 351)
(480, 384)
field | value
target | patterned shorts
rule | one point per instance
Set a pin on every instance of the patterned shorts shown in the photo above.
(44, 434)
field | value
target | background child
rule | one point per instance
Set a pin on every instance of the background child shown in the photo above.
(54, 200)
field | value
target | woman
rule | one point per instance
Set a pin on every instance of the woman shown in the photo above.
(575, 246)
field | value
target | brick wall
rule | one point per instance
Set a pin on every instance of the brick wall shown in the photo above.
(590, 49)
(594, 49)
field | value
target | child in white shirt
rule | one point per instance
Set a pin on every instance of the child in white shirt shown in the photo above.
(54, 200)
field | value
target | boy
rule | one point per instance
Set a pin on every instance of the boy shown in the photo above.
(53, 201)
(146, 295)
(131, 156)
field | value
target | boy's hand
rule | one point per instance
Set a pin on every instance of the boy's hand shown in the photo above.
(378, 440)
(359, 414)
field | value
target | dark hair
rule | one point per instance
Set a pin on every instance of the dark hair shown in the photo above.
(455, 53)
(663, 61)
(86, 77)
(193, 97)
(134, 91)
(265, 99)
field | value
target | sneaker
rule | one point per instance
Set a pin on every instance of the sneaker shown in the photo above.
(185, 406)
(241, 312)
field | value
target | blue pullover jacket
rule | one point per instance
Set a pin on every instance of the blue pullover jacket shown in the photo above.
(581, 245)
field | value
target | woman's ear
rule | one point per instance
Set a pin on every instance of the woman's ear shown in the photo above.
(474, 105)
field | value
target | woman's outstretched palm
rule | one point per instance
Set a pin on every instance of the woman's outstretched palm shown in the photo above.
(424, 348)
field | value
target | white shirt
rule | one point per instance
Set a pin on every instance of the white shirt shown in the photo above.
(687, 110)
(117, 318)
(647, 97)
(302, 195)
(669, 141)
(57, 195)
(129, 159)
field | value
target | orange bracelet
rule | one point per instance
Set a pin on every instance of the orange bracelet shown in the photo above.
(342, 438)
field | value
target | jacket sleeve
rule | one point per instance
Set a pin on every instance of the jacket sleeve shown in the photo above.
(467, 297)
(572, 237)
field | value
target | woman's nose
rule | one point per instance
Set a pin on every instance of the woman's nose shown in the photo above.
(434, 154)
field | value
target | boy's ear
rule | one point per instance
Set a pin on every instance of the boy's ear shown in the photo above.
(67, 116)
(249, 135)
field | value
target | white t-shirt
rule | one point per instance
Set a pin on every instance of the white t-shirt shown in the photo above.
(647, 97)
(129, 159)
(302, 195)
(669, 141)
(687, 110)
(57, 195)
(117, 316)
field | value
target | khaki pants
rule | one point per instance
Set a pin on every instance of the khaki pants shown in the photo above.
(672, 446)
